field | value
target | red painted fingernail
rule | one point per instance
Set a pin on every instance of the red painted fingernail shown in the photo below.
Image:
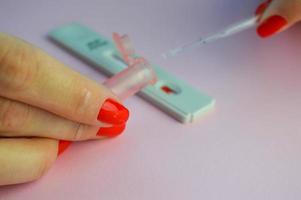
(111, 131)
(63, 145)
(271, 25)
(261, 8)
(113, 112)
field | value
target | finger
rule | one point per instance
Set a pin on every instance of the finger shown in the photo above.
(278, 15)
(31, 76)
(24, 160)
(19, 119)
(108, 132)
(262, 7)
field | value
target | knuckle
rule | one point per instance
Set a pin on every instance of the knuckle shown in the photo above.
(13, 115)
(17, 67)
(81, 102)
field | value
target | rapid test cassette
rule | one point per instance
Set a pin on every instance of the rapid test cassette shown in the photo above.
(171, 95)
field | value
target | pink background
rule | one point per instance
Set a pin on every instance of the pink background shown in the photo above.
(247, 148)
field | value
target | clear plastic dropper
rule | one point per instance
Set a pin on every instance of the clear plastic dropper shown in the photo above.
(231, 30)
(132, 79)
(135, 77)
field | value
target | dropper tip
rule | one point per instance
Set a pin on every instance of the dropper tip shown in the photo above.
(171, 53)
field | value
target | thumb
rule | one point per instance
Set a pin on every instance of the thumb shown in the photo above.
(277, 15)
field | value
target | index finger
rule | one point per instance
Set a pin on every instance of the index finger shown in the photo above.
(278, 15)
(29, 75)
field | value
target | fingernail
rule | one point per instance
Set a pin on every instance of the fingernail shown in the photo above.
(111, 131)
(113, 112)
(63, 145)
(271, 25)
(261, 8)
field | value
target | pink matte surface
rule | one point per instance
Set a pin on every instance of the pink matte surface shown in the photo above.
(247, 148)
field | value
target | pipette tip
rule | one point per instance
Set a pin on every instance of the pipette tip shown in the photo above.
(231, 30)
(171, 53)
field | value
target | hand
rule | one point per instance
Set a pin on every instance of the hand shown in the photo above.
(43, 106)
(277, 15)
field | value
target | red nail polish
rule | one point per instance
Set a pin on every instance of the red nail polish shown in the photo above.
(261, 8)
(111, 131)
(271, 25)
(63, 145)
(113, 112)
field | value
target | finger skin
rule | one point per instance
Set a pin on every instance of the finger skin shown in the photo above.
(21, 120)
(25, 160)
(278, 16)
(29, 75)
(18, 119)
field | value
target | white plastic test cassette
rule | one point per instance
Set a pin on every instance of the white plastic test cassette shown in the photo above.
(171, 95)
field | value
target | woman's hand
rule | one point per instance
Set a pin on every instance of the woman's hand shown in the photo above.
(277, 15)
(43, 106)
